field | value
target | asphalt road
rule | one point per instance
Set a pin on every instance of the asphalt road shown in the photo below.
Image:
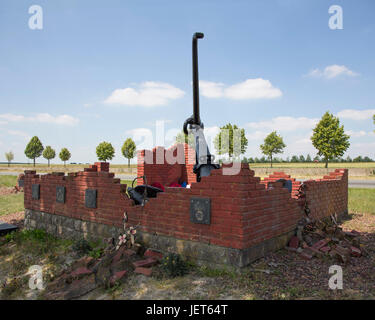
(353, 183)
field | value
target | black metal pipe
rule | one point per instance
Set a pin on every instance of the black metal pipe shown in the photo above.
(196, 36)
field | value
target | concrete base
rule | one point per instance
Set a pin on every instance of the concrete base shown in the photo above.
(200, 253)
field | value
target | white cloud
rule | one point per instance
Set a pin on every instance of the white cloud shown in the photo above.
(284, 124)
(249, 89)
(333, 71)
(356, 134)
(18, 133)
(211, 89)
(356, 114)
(41, 118)
(149, 94)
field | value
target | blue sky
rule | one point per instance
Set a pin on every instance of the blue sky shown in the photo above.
(104, 72)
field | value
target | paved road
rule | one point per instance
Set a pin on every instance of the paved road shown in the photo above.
(353, 183)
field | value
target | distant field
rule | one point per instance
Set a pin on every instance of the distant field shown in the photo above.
(42, 166)
(315, 165)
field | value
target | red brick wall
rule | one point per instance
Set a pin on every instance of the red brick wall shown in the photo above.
(328, 195)
(174, 165)
(281, 175)
(243, 211)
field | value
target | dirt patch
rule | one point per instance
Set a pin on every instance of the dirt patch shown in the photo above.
(16, 219)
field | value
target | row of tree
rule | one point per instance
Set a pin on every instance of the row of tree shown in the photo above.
(328, 138)
(104, 151)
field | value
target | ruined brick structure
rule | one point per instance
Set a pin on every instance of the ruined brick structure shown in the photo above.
(247, 217)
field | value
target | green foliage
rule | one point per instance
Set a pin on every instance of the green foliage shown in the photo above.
(64, 155)
(173, 265)
(34, 149)
(105, 151)
(96, 253)
(49, 153)
(82, 247)
(273, 144)
(9, 156)
(185, 138)
(37, 241)
(128, 149)
(329, 138)
(231, 140)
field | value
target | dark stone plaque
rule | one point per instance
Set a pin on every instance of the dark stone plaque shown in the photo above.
(60, 194)
(21, 183)
(90, 198)
(6, 228)
(35, 191)
(200, 210)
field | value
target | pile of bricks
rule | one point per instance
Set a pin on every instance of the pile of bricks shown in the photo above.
(318, 238)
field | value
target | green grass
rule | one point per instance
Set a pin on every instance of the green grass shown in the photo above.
(8, 181)
(361, 200)
(11, 203)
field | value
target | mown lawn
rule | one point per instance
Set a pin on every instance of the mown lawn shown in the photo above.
(8, 181)
(11, 203)
(361, 200)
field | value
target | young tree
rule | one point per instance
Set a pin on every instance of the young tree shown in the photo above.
(294, 159)
(308, 158)
(302, 158)
(185, 138)
(273, 144)
(231, 140)
(49, 153)
(105, 151)
(9, 156)
(128, 149)
(64, 155)
(329, 138)
(34, 149)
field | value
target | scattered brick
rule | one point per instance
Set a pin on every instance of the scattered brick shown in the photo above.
(320, 244)
(325, 249)
(145, 271)
(294, 242)
(153, 254)
(355, 252)
(149, 262)
(117, 276)
(81, 272)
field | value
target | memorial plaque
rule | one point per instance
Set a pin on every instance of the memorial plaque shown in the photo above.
(90, 198)
(60, 194)
(200, 210)
(35, 191)
(21, 183)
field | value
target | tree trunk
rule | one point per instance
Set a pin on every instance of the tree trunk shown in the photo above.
(48, 163)
(326, 166)
(34, 162)
(128, 162)
(64, 163)
(8, 163)
(271, 160)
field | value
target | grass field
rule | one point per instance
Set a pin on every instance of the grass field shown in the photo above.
(8, 181)
(361, 200)
(11, 203)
